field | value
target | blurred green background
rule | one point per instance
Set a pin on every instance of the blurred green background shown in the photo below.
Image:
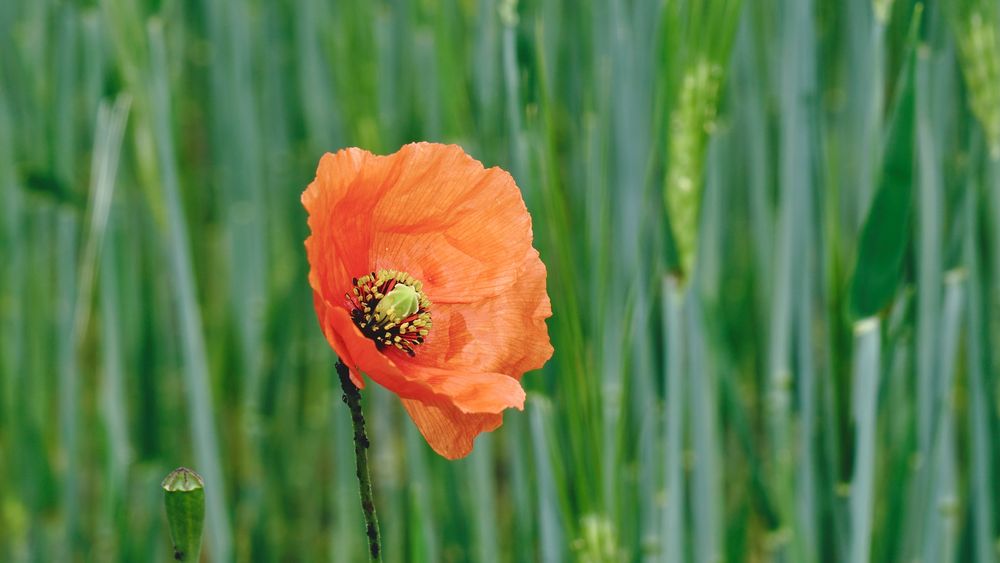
(772, 232)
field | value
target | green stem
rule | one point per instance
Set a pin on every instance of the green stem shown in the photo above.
(352, 397)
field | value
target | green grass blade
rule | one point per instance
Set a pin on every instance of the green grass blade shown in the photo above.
(551, 536)
(867, 372)
(885, 235)
(197, 386)
(425, 545)
(929, 285)
(484, 510)
(981, 423)
(704, 482)
(797, 83)
(941, 518)
(674, 530)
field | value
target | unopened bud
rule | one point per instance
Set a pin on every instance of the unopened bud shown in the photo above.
(184, 498)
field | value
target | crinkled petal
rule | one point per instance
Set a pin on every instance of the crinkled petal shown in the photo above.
(471, 392)
(449, 222)
(337, 247)
(505, 333)
(449, 431)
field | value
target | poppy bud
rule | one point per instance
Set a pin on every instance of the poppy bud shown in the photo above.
(184, 498)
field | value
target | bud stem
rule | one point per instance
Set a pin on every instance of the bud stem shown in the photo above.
(352, 397)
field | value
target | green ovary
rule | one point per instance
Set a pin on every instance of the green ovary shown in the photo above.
(399, 303)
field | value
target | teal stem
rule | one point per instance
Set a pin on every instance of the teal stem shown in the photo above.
(352, 398)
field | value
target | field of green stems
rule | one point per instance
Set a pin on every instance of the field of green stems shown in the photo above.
(772, 235)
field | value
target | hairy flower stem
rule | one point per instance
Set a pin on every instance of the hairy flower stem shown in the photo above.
(352, 397)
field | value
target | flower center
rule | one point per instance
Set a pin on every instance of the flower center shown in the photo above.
(390, 308)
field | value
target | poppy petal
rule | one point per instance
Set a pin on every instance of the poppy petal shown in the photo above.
(505, 334)
(473, 392)
(450, 223)
(449, 431)
(336, 232)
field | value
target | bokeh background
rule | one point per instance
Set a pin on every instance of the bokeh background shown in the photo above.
(772, 232)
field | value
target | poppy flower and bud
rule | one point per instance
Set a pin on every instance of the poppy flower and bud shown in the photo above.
(425, 280)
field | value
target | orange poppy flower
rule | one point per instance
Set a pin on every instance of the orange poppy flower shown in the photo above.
(424, 279)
